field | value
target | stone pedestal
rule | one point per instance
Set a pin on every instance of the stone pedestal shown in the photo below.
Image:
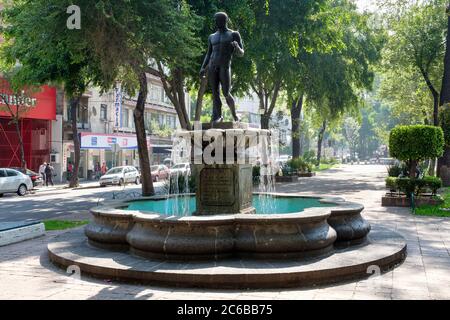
(224, 189)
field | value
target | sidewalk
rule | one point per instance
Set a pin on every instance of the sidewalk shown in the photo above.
(26, 273)
(65, 185)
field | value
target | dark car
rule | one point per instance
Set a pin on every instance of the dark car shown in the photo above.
(36, 178)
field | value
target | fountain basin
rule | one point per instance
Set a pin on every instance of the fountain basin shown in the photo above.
(311, 232)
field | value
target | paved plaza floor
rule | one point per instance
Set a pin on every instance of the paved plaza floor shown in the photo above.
(26, 273)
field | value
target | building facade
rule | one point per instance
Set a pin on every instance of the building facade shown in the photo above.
(37, 118)
(107, 132)
(248, 110)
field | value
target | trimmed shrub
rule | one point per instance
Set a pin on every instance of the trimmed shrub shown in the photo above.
(406, 185)
(416, 143)
(391, 183)
(299, 164)
(416, 186)
(434, 183)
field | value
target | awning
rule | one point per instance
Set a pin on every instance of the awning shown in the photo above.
(162, 149)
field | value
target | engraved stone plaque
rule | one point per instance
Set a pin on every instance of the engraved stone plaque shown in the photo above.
(217, 186)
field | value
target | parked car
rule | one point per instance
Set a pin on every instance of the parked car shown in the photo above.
(159, 172)
(120, 176)
(13, 181)
(181, 168)
(168, 162)
(36, 178)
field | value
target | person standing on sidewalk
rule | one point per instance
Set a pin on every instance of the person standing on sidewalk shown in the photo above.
(69, 171)
(104, 168)
(49, 175)
(97, 170)
(42, 172)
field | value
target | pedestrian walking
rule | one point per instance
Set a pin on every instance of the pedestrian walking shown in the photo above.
(42, 172)
(49, 174)
(69, 171)
(104, 168)
(97, 170)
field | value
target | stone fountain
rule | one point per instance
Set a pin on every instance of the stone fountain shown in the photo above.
(228, 236)
(225, 235)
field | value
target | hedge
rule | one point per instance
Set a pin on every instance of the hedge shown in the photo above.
(299, 164)
(416, 186)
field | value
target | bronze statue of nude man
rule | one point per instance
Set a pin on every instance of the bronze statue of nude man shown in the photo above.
(221, 46)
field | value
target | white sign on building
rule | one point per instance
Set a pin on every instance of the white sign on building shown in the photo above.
(117, 107)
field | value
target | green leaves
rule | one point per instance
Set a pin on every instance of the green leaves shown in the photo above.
(416, 142)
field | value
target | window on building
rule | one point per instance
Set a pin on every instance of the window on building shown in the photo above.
(103, 111)
(155, 93)
(125, 117)
(147, 121)
(171, 121)
(161, 119)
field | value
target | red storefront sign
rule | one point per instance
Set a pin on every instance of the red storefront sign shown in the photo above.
(42, 102)
(34, 125)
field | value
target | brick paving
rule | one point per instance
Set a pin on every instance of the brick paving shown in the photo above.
(26, 273)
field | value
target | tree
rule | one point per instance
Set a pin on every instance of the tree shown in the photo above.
(416, 143)
(444, 162)
(415, 46)
(351, 133)
(138, 37)
(331, 76)
(37, 38)
(276, 36)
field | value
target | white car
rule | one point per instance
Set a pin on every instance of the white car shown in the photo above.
(13, 181)
(120, 176)
(181, 168)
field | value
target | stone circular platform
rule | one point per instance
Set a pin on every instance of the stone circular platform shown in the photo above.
(383, 249)
(311, 231)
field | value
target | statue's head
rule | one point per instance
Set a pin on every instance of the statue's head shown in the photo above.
(221, 19)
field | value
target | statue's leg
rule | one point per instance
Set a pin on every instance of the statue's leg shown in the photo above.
(225, 79)
(214, 82)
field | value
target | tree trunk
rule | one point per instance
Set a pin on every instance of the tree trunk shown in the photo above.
(296, 110)
(23, 163)
(144, 159)
(174, 89)
(200, 94)
(443, 169)
(412, 168)
(320, 140)
(74, 101)
(436, 109)
(264, 96)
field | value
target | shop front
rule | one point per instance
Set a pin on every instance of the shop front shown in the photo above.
(96, 148)
(35, 125)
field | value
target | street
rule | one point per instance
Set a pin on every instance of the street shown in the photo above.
(58, 203)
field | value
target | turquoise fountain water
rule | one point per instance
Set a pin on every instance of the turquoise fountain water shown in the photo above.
(280, 205)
